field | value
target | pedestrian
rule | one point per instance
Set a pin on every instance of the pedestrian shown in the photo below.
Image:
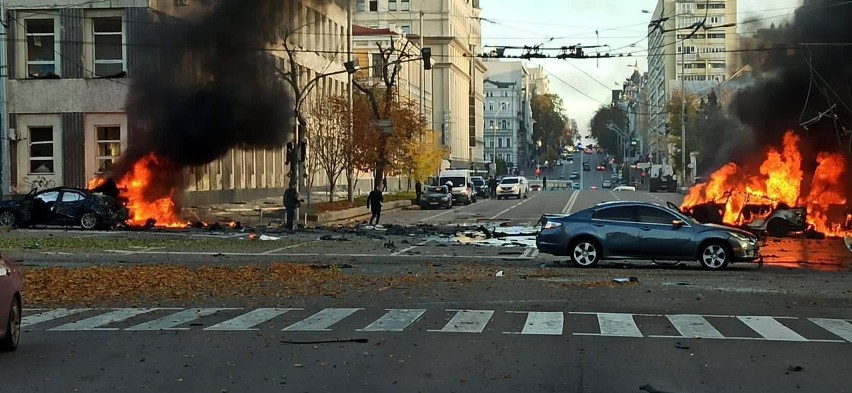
(492, 185)
(384, 184)
(291, 203)
(544, 183)
(418, 190)
(374, 203)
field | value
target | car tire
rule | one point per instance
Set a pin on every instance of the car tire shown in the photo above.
(89, 220)
(8, 218)
(10, 341)
(714, 255)
(584, 252)
(777, 227)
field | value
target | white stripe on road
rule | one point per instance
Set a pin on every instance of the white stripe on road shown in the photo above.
(770, 329)
(614, 325)
(249, 320)
(321, 321)
(542, 323)
(513, 206)
(839, 327)
(450, 210)
(571, 201)
(288, 247)
(467, 321)
(170, 322)
(693, 326)
(30, 320)
(395, 320)
(96, 322)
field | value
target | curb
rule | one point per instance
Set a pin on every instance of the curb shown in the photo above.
(327, 217)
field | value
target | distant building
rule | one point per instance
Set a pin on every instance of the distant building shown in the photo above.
(508, 116)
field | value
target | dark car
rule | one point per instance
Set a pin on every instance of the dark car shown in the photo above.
(480, 187)
(574, 175)
(63, 206)
(586, 167)
(10, 305)
(638, 230)
(437, 196)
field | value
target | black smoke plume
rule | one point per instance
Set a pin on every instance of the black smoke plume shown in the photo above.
(207, 83)
(804, 80)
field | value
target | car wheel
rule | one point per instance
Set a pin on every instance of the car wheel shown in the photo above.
(7, 218)
(584, 253)
(90, 220)
(714, 256)
(777, 227)
(13, 327)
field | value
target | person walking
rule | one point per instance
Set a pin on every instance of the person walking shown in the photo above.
(492, 185)
(384, 184)
(544, 183)
(291, 203)
(374, 203)
(418, 190)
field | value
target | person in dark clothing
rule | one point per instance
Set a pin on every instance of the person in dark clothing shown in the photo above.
(544, 183)
(291, 203)
(374, 203)
(418, 189)
(492, 185)
(384, 184)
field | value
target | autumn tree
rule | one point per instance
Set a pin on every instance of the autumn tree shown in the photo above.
(599, 130)
(549, 125)
(328, 136)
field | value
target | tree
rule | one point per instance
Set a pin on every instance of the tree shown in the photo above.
(673, 107)
(328, 136)
(549, 125)
(599, 129)
(426, 154)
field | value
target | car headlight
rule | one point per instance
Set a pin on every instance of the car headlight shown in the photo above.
(551, 225)
(742, 237)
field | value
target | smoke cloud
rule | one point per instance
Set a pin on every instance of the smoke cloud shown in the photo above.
(207, 85)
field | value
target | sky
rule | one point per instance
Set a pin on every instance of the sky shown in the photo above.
(586, 84)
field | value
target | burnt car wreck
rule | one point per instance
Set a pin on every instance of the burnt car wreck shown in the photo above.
(64, 206)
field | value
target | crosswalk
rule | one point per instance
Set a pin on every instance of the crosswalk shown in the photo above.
(437, 321)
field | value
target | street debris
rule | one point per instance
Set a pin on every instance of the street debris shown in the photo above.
(340, 238)
(267, 237)
(678, 345)
(794, 369)
(625, 280)
(390, 245)
(331, 267)
(650, 389)
(499, 274)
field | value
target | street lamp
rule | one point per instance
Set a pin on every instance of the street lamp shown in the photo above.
(494, 133)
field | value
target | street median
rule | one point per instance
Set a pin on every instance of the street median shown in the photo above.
(353, 213)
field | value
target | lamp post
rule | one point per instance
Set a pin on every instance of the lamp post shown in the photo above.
(494, 133)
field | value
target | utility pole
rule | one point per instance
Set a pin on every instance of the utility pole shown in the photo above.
(683, 113)
(5, 137)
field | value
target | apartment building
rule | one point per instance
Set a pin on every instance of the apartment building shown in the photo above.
(452, 30)
(72, 65)
(698, 62)
(508, 115)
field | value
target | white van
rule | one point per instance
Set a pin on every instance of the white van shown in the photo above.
(462, 185)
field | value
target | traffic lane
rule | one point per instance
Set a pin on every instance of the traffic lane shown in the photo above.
(455, 214)
(540, 202)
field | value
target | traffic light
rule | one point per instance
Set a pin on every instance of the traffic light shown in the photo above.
(303, 151)
(289, 156)
(427, 58)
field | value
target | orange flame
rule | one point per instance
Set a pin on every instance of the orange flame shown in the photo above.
(780, 180)
(133, 186)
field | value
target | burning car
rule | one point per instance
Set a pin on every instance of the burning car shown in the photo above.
(63, 206)
(759, 219)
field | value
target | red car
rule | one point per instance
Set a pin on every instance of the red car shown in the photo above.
(10, 305)
(600, 168)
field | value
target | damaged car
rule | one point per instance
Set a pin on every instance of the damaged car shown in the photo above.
(11, 307)
(437, 196)
(759, 219)
(63, 206)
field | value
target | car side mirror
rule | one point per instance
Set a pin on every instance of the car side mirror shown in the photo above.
(677, 223)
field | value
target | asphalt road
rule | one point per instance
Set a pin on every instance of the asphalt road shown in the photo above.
(541, 327)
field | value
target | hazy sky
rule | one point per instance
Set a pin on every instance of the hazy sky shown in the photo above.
(585, 84)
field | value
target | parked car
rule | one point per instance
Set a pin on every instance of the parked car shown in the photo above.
(516, 186)
(11, 304)
(638, 230)
(574, 175)
(624, 188)
(437, 196)
(65, 206)
(480, 187)
(606, 184)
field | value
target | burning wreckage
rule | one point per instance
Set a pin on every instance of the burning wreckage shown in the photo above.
(772, 201)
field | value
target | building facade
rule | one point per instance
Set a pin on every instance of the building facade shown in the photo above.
(451, 29)
(699, 62)
(508, 115)
(71, 66)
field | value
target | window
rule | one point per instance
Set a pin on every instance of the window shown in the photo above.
(504, 105)
(490, 105)
(377, 61)
(391, 5)
(406, 29)
(500, 142)
(360, 6)
(405, 5)
(652, 215)
(72, 196)
(622, 213)
(374, 5)
(48, 197)
(508, 142)
(491, 124)
(109, 51)
(41, 47)
(504, 124)
(108, 144)
(41, 149)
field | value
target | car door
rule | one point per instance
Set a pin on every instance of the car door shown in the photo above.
(68, 206)
(660, 238)
(44, 207)
(617, 229)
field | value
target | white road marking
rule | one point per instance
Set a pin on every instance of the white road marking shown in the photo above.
(614, 325)
(617, 198)
(450, 210)
(321, 321)
(288, 247)
(571, 201)
(542, 323)
(249, 320)
(467, 321)
(693, 326)
(95, 323)
(394, 320)
(839, 327)
(770, 329)
(30, 320)
(404, 250)
(513, 206)
(170, 322)
(534, 253)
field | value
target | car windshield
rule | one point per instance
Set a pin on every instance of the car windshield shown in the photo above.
(457, 181)
(477, 181)
(509, 180)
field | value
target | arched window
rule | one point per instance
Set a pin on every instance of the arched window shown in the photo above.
(504, 124)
